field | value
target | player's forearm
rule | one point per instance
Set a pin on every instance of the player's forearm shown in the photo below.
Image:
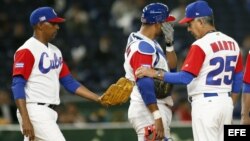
(21, 105)
(245, 103)
(181, 77)
(152, 107)
(172, 60)
(245, 108)
(86, 93)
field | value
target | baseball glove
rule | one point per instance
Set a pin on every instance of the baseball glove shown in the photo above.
(117, 93)
(162, 89)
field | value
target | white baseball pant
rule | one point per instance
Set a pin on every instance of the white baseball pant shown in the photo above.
(44, 123)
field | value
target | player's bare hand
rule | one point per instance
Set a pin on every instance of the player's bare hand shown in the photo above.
(145, 71)
(28, 130)
(159, 129)
(99, 99)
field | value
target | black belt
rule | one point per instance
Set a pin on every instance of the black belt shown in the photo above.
(52, 106)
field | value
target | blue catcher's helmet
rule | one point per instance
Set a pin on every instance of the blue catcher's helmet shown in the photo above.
(156, 13)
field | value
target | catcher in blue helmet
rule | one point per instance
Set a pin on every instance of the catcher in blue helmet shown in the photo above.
(156, 13)
(150, 108)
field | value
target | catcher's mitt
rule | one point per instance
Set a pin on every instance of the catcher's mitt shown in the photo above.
(162, 89)
(117, 93)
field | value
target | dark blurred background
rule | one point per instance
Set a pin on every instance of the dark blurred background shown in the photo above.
(93, 40)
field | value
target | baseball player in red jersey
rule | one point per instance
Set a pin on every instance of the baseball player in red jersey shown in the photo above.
(212, 72)
(38, 71)
(147, 114)
(245, 110)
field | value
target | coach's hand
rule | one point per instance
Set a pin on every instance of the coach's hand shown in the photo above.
(145, 71)
(28, 130)
(159, 129)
